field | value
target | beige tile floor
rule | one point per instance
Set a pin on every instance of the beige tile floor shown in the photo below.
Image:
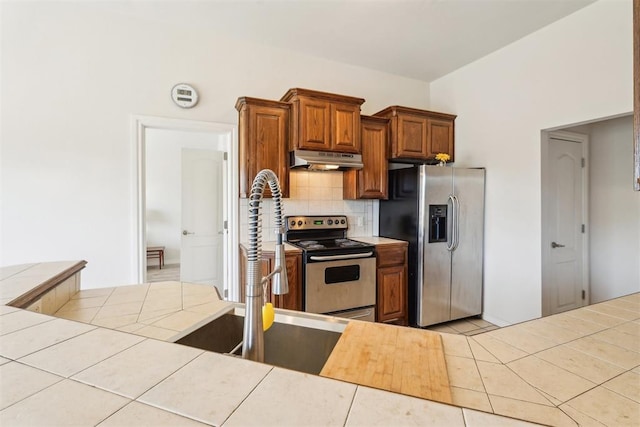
(469, 326)
(166, 273)
(580, 367)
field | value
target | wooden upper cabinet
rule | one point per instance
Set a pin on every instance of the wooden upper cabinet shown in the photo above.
(263, 130)
(323, 121)
(314, 124)
(346, 128)
(410, 137)
(370, 182)
(439, 137)
(418, 135)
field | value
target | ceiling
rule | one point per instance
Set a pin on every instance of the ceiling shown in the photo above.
(419, 39)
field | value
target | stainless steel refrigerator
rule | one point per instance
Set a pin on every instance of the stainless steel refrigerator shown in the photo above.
(440, 212)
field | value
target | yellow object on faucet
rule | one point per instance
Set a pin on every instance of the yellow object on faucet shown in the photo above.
(268, 315)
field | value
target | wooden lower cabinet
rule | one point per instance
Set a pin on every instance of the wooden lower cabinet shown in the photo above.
(391, 306)
(391, 293)
(293, 260)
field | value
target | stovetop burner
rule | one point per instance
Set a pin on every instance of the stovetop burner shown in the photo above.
(328, 244)
(311, 244)
(314, 233)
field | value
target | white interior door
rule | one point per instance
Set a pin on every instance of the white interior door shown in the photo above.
(564, 285)
(201, 257)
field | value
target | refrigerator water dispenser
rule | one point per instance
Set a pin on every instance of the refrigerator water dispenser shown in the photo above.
(437, 223)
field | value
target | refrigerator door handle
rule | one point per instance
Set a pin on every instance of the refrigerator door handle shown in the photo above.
(456, 223)
(451, 241)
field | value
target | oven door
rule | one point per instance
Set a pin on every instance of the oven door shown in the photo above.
(336, 285)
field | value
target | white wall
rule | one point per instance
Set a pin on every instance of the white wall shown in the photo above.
(575, 70)
(72, 76)
(614, 211)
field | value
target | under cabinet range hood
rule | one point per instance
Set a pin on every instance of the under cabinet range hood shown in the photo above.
(324, 160)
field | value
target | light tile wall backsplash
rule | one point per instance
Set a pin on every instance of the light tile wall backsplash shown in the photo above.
(314, 193)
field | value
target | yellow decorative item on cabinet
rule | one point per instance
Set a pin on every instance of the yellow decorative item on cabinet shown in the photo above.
(442, 158)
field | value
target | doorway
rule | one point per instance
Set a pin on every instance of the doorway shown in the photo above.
(184, 202)
(564, 222)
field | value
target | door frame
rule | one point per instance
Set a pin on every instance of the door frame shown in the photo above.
(545, 195)
(139, 124)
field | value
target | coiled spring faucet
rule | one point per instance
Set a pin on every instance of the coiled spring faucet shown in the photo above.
(253, 342)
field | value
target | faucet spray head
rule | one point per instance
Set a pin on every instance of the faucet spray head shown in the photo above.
(280, 284)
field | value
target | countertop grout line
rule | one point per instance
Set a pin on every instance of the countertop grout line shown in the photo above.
(135, 399)
(107, 358)
(61, 378)
(346, 420)
(76, 336)
(247, 396)
(115, 411)
(93, 328)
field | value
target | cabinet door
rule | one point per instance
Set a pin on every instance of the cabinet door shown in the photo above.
(345, 121)
(315, 125)
(292, 300)
(370, 182)
(392, 284)
(412, 137)
(440, 138)
(263, 136)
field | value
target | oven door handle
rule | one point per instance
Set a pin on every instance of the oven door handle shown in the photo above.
(339, 257)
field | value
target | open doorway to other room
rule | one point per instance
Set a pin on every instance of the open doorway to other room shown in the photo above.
(608, 226)
(184, 205)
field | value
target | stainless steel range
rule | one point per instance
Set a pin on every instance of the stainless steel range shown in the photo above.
(338, 274)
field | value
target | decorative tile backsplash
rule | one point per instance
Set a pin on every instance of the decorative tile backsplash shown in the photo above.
(314, 193)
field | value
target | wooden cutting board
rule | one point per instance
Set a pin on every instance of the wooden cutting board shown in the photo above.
(403, 360)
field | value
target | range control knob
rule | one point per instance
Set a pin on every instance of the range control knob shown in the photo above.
(342, 221)
(299, 223)
(330, 222)
(293, 223)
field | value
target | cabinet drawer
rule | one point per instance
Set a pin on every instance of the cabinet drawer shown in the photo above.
(389, 255)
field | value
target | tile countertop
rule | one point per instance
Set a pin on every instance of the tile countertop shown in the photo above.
(375, 240)
(575, 368)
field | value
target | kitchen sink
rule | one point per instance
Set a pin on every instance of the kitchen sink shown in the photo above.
(296, 340)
